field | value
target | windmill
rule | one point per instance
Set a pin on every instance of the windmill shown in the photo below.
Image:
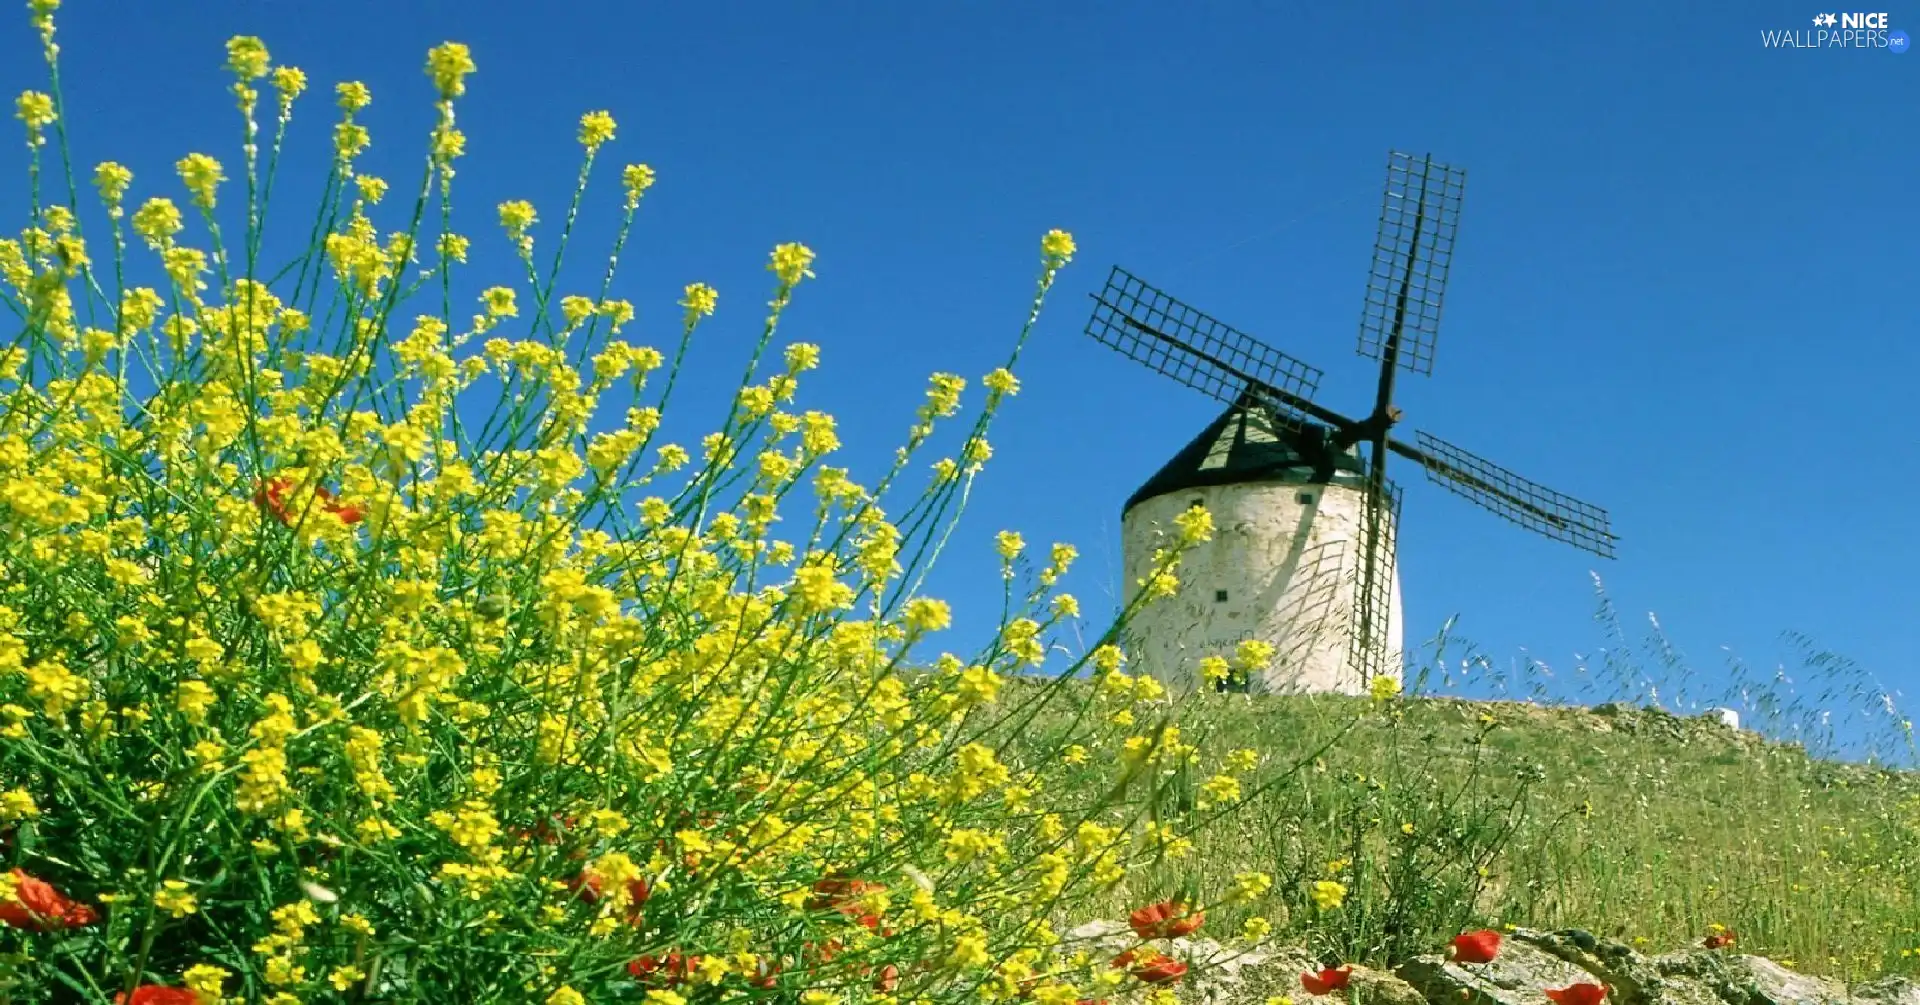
(1305, 542)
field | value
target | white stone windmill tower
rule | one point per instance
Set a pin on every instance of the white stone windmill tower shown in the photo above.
(1303, 550)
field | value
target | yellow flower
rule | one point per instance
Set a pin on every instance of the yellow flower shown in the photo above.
(1328, 894)
(1220, 789)
(371, 189)
(193, 698)
(448, 64)
(925, 614)
(968, 951)
(1253, 655)
(17, 804)
(790, 263)
(596, 128)
(499, 302)
(202, 176)
(1195, 526)
(817, 590)
(205, 980)
(289, 81)
(41, 17)
(349, 139)
(1383, 688)
(1002, 382)
(1056, 249)
(516, 216)
(35, 109)
(247, 57)
(173, 898)
(637, 178)
(356, 923)
(353, 95)
(453, 247)
(112, 180)
(802, 356)
(700, 301)
(566, 996)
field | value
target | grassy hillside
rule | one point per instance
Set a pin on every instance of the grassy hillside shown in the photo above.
(1437, 814)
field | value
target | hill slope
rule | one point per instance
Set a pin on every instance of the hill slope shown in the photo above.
(1439, 814)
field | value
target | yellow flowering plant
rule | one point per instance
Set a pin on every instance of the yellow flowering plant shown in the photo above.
(357, 650)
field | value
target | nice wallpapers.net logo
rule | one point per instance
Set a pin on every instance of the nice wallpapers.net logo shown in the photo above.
(1857, 30)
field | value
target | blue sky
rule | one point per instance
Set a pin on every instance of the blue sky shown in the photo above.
(1682, 289)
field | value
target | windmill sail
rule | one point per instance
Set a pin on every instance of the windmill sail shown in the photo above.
(1369, 650)
(1540, 509)
(1146, 325)
(1412, 253)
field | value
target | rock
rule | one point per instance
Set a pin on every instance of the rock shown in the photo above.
(1276, 972)
(1530, 961)
(1727, 717)
(1515, 977)
(1892, 989)
(1631, 979)
(1739, 979)
(1221, 975)
(1381, 987)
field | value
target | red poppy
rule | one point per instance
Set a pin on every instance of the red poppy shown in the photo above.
(1718, 940)
(669, 970)
(1330, 979)
(844, 895)
(765, 974)
(1168, 919)
(824, 952)
(272, 495)
(38, 906)
(888, 980)
(349, 513)
(1578, 994)
(588, 886)
(1157, 968)
(1476, 947)
(155, 994)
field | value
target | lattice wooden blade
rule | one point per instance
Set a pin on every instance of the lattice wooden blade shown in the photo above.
(1529, 504)
(1369, 640)
(1419, 217)
(1145, 324)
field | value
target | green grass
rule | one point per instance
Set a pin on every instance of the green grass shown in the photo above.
(1628, 822)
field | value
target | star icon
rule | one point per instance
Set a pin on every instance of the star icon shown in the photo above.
(1819, 20)
(1831, 19)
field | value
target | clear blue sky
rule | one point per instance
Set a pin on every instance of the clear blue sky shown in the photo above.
(1683, 287)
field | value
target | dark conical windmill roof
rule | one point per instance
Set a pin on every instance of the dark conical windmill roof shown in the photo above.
(1247, 445)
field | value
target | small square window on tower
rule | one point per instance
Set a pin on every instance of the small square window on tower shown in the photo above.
(1219, 596)
(1304, 498)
